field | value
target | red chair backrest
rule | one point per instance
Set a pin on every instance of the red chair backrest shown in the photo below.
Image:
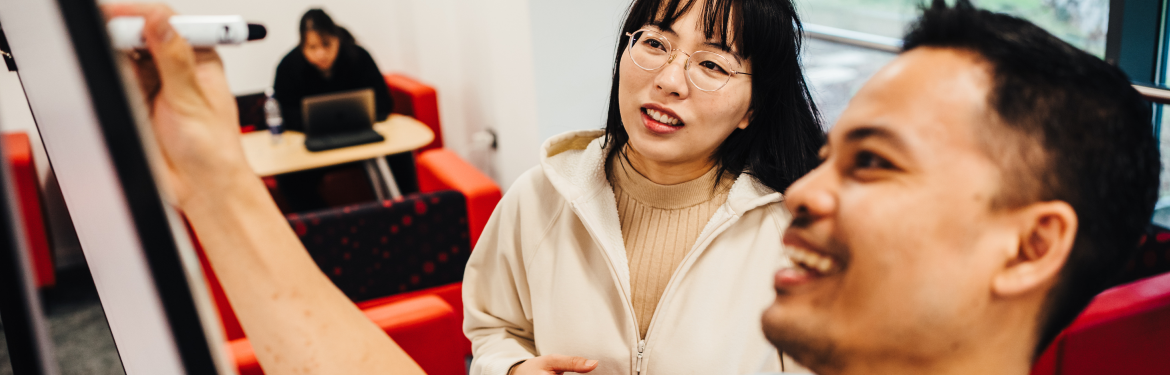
(1125, 330)
(251, 110)
(418, 100)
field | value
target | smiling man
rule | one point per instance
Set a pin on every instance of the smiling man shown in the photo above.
(974, 197)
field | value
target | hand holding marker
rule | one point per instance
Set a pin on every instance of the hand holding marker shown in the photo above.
(199, 31)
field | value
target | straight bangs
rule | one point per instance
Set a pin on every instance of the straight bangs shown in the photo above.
(719, 20)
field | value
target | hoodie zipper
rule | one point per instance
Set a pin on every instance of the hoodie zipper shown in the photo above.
(720, 228)
(590, 228)
(641, 348)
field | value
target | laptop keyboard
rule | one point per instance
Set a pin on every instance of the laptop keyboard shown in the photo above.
(333, 141)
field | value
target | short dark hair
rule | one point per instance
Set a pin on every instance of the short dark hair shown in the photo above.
(316, 20)
(784, 134)
(1091, 128)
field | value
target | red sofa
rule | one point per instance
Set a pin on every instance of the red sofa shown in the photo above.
(421, 324)
(418, 321)
(444, 171)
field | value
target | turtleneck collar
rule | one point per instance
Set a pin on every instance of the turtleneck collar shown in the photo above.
(668, 197)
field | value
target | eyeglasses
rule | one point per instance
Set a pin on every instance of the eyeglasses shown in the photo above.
(650, 50)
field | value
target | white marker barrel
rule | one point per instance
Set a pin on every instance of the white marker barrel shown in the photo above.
(199, 31)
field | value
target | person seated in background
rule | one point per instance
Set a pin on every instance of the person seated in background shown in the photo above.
(328, 60)
(975, 196)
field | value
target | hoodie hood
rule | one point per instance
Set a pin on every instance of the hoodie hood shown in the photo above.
(574, 163)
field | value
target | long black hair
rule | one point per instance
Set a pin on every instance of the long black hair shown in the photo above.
(316, 20)
(784, 134)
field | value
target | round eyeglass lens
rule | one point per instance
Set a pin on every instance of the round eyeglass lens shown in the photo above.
(649, 50)
(708, 71)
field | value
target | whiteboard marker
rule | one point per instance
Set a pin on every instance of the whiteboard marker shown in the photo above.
(199, 31)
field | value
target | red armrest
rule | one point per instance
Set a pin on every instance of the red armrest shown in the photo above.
(418, 100)
(450, 293)
(424, 326)
(442, 169)
(24, 179)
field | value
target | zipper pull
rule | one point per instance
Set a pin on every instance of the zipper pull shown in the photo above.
(641, 348)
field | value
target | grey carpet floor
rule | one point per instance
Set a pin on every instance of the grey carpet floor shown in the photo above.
(81, 337)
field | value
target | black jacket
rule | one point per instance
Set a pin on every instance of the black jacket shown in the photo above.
(354, 69)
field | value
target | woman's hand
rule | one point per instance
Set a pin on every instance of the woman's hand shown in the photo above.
(193, 113)
(553, 364)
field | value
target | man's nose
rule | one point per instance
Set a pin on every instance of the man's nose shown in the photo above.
(813, 196)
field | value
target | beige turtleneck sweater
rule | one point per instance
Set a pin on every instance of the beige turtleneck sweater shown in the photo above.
(660, 224)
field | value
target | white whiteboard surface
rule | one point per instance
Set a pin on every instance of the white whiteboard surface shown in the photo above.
(59, 98)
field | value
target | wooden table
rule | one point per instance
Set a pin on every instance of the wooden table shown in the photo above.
(402, 133)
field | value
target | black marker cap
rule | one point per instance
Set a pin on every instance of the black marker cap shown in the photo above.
(256, 31)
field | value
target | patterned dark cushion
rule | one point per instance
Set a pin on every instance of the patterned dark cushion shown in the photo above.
(1152, 258)
(378, 249)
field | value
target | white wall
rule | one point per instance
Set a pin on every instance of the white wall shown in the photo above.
(573, 46)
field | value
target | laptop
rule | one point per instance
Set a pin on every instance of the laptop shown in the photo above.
(339, 120)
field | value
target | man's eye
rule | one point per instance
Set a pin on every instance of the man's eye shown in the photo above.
(869, 160)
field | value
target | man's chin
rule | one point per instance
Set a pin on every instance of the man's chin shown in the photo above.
(809, 346)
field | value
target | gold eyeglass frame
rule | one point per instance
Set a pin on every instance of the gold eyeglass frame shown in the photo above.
(670, 59)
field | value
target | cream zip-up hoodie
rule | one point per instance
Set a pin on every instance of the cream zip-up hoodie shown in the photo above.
(550, 276)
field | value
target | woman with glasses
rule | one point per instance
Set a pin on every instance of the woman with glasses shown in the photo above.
(648, 247)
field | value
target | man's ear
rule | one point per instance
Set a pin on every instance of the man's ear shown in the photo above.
(743, 124)
(1047, 233)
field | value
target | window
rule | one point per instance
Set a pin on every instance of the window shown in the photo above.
(851, 39)
(1083, 23)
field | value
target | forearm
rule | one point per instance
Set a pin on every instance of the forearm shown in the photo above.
(294, 316)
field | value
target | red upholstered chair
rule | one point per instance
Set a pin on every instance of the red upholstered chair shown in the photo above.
(1125, 330)
(418, 100)
(438, 169)
(251, 110)
(421, 324)
(419, 244)
(442, 169)
(445, 171)
(24, 180)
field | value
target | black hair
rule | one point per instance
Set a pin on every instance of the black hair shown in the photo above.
(1091, 127)
(784, 134)
(316, 20)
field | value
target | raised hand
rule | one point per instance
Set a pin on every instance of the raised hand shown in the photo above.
(193, 112)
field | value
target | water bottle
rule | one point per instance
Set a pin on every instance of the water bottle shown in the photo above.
(272, 116)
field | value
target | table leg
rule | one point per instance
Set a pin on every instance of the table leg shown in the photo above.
(375, 180)
(388, 177)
